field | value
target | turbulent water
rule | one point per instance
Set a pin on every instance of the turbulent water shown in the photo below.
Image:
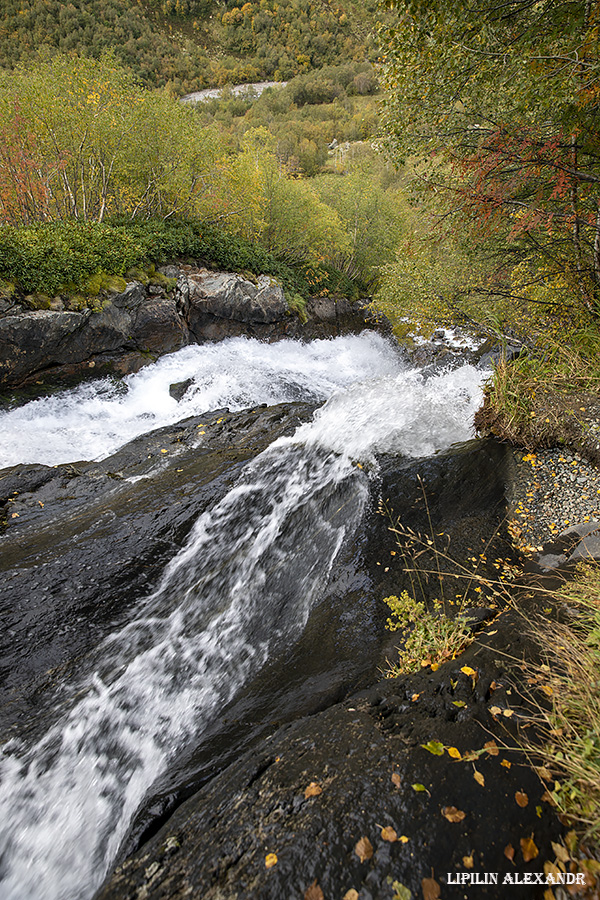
(236, 595)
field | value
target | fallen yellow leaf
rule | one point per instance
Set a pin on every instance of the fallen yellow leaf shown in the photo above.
(453, 814)
(528, 849)
(522, 798)
(479, 778)
(454, 752)
(468, 862)
(270, 860)
(364, 849)
(430, 888)
(313, 790)
(314, 892)
(388, 834)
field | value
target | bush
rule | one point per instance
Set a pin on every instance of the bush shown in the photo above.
(67, 257)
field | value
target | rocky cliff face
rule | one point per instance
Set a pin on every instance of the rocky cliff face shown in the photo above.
(142, 323)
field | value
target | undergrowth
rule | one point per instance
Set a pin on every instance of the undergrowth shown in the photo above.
(537, 399)
(66, 257)
(569, 723)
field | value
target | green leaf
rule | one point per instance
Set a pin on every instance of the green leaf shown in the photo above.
(419, 788)
(435, 747)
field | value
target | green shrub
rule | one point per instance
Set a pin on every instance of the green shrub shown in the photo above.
(70, 257)
(430, 638)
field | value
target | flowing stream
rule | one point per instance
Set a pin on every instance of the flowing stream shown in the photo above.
(237, 595)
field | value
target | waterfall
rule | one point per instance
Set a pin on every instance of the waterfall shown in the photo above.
(237, 595)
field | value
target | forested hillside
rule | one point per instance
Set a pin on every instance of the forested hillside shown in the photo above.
(191, 44)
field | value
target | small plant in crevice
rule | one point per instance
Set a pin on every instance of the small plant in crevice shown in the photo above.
(297, 305)
(432, 638)
(440, 625)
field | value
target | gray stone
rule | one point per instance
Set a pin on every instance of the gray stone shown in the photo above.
(588, 548)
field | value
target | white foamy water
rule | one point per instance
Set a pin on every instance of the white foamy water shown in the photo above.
(93, 420)
(236, 596)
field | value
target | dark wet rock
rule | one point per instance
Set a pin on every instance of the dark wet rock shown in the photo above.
(178, 388)
(492, 352)
(215, 846)
(82, 542)
(117, 338)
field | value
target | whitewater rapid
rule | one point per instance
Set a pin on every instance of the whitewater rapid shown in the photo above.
(237, 595)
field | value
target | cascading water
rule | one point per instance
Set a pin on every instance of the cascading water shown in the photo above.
(236, 596)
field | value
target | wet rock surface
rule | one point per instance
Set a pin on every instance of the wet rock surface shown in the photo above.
(82, 542)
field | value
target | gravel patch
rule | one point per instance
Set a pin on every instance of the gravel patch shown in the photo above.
(551, 491)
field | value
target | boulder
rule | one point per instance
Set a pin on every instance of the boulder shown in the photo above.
(113, 339)
(221, 304)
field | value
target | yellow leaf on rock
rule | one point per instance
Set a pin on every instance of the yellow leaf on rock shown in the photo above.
(468, 670)
(506, 764)
(403, 839)
(454, 752)
(364, 849)
(509, 852)
(468, 862)
(314, 892)
(313, 790)
(270, 860)
(528, 849)
(430, 888)
(479, 778)
(522, 798)
(453, 814)
(350, 895)
(388, 834)
(561, 852)
(495, 710)
(396, 779)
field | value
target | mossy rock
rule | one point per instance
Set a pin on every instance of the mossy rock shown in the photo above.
(137, 274)
(102, 281)
(38, 301)
(163, 281)
(7, 289)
